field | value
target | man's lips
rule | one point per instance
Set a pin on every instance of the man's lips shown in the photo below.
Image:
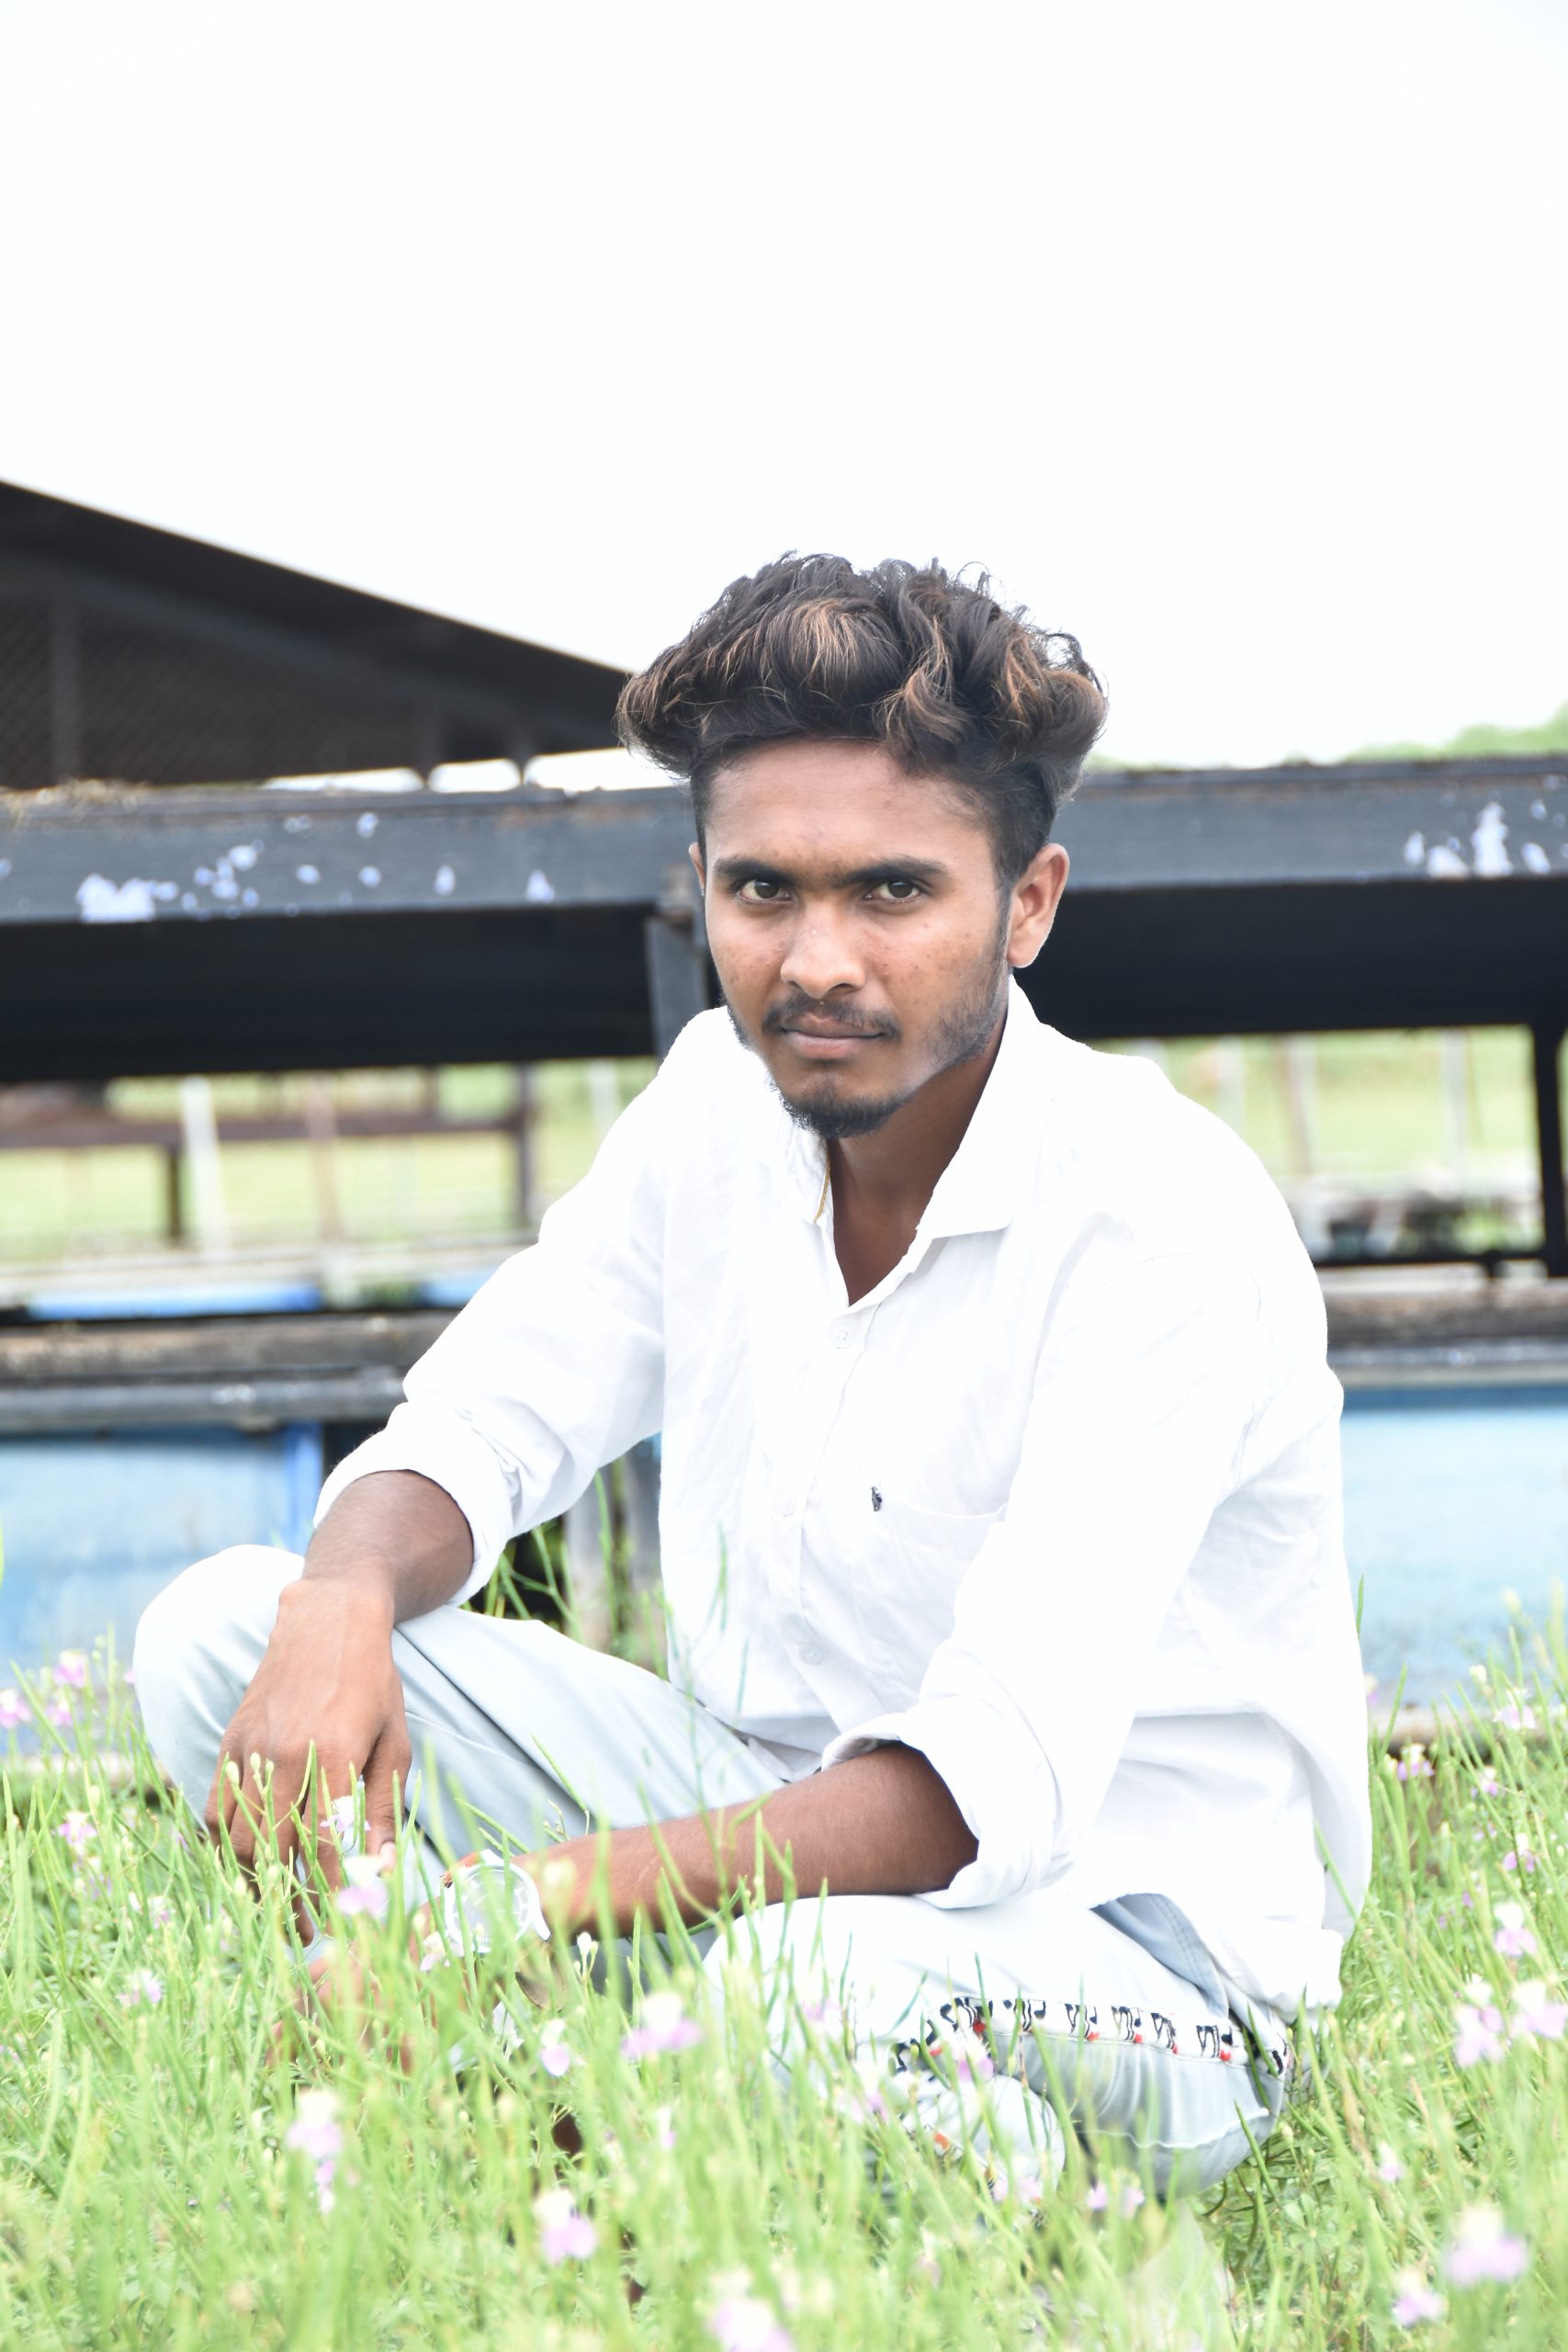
(826, 1041)
(821, 1029)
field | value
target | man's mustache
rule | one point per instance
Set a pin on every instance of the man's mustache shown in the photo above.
(785, 1016)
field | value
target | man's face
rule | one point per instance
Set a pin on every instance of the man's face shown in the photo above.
(857, 926)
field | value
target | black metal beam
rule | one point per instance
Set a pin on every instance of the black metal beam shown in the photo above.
(145, 932)
(173, 859)
(1546, 1040)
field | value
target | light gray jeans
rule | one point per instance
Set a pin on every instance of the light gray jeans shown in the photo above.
(535, 1734)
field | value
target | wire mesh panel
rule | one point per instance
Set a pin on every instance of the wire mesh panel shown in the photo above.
(27, 756)
(93, 691)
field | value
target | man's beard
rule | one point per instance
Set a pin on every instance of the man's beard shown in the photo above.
(961, 1035)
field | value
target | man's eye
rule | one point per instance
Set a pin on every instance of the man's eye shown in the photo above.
(899, 893)
(757, 892)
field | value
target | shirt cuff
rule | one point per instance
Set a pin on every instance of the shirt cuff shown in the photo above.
(446, 1450)
(999, 1779)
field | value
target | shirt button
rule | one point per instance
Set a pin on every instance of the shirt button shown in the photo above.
(842, 1336)
(811, 1657)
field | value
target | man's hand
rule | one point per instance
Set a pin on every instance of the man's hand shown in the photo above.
(325, 1709)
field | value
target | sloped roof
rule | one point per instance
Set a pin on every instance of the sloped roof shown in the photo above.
(134, 655)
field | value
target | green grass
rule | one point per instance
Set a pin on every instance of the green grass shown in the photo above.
(150, 2194)
(1379, 1116)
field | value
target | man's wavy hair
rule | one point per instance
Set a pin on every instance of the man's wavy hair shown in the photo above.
(953, 684)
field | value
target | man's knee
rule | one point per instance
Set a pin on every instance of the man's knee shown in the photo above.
(200, 1642)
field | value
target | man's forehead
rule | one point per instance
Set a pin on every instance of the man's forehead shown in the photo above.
(837, 798)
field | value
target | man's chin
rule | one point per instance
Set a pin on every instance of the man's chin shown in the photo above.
(836, 1118)
(824, 1112)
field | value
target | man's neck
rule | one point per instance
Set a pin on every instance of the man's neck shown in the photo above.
(883, 1182)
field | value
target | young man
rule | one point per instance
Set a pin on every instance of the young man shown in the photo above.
(1000, 1518)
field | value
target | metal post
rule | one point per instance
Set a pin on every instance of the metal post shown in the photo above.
(1546, 1040)
(174, 1205)
(430, 740)
(677, 977)
(65, 691)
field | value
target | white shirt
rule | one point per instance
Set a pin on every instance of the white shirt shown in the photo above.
(1057, 1503)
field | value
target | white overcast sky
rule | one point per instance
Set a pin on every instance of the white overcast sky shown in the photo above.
(1229, 335)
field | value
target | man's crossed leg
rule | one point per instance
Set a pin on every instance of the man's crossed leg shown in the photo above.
(543, 1736)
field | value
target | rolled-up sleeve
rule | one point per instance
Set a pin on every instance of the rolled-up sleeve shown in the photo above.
(1144, 1398)
(554, 1366)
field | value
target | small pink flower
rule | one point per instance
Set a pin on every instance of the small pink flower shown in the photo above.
(1478, 2033)
(58, 1713)
(1522, 1861)
(143, 1991)
(369, 1901)
(71, 1670)
(315, 2131)
(1535, 2017)
(665, 2026)
(1132, 2198)
(1516, 1717)
(1027, 2187)
(663, 2132)
(1098, 2197)
(565, 2234)
(1482, 2249)
(14, 1710)
(1415, 1764)
(79, 1832)
(1388, 2165)
(1489, 1788)
(364, 1893)
(1513, 1939)
(554, 2056)
(746, 2323)
(1415, 2301)
(974, 2064)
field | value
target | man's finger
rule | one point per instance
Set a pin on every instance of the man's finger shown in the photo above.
(232, 1829)
(319, 1833)
(261, 1805)
(332, 1783)
(386, 1775)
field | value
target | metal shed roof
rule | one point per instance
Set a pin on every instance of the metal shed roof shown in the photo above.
(133, 654)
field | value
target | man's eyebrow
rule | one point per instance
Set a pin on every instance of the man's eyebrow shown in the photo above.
(857, 878)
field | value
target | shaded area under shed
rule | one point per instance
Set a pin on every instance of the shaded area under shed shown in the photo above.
(133, 654)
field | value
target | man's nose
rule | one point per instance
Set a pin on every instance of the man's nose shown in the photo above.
(822, 955)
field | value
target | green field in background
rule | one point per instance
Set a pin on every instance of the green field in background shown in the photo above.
(1380, 1113)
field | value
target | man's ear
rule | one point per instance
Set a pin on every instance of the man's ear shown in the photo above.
(1036, 895)
(695, 852)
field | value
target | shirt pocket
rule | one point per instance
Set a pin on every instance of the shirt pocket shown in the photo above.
(914, 1563)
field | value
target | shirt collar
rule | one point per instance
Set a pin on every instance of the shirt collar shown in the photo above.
(980, 1189)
